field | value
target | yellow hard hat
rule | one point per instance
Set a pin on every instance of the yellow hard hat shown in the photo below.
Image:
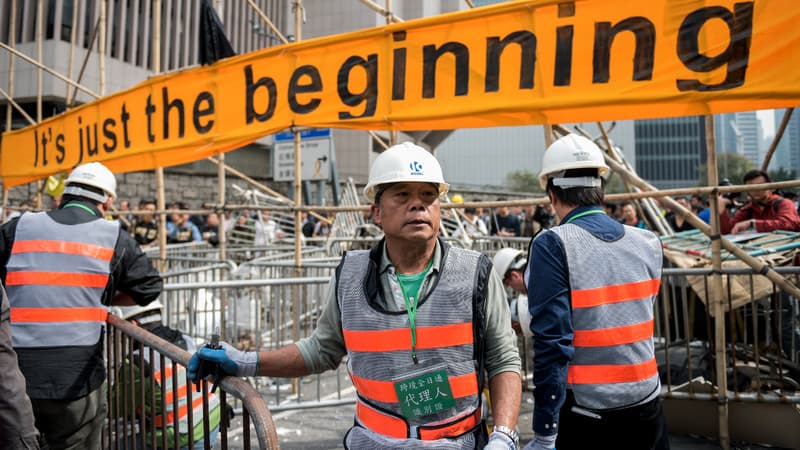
(457, 198)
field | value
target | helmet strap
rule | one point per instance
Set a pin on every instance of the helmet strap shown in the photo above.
(85, 193)
(574, 182)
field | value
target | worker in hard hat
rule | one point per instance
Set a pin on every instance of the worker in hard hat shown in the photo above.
(407, 314)
(510, 265)
(591, 295)
(61, 269)
(149, 318)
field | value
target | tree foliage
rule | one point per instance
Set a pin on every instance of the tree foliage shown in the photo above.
(523, 181)
(729, 165)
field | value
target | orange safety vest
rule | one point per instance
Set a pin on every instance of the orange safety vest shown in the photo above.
(378, 344)
(181, 393)
(614, 362)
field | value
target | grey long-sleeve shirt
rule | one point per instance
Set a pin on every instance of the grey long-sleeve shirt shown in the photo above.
(325, 348)
(16, 415)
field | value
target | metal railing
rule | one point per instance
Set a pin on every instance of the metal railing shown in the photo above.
(145, 411)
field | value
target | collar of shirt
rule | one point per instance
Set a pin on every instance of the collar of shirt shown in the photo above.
(85, 206)
(392, 298)
(600, 225)
(385, 262)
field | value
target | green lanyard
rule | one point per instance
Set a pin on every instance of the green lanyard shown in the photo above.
(585, 213)
(78, 205)
(412, 302)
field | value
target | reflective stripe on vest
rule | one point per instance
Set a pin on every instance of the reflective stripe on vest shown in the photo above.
(56, 278)
(183, 392)
(612, 313)
(379, 347)
(396, 427)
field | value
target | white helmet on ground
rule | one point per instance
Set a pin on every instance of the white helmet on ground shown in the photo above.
(403, 163)
(129, 312)
(506, 259)
(95, 175)
(572, 152)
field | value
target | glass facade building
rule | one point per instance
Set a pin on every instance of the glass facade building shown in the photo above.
(669, 152)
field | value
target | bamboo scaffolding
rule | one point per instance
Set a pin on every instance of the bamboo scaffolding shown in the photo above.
(52, 72)
(269, 23)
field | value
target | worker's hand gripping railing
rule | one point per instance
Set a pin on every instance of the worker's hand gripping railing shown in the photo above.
(125, 339)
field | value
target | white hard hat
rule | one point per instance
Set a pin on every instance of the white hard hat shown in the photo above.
(129, 312)
(91, 174)
(572, 152)
(524, 315)
(403, 163)
(504, 259)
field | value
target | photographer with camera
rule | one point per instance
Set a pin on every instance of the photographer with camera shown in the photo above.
(764, 211)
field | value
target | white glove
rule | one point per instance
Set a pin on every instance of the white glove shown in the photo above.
(542, 442)
(500, 441)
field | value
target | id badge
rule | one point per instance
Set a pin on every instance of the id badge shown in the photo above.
(424, 389)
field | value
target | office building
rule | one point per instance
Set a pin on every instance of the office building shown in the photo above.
(669, 152)
(787, 154)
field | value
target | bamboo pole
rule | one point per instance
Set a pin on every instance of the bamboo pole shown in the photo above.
(778, 135)
(720, 356)
(39, 81)
(160, 197)
(73, 35)
(16, 106)
(101, 49)
(470, 4)
(380, 10)
(9, 112)
(298, 201)
(71, 98)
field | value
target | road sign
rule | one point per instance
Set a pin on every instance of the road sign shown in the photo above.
(317, 148)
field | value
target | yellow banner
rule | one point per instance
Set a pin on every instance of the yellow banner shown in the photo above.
(525, 62)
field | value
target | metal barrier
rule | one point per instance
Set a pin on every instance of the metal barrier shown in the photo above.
(146, 383)
(762, 359)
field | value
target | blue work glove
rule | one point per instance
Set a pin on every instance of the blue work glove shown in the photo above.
(231, 360)
(540, 442)
(500, 441)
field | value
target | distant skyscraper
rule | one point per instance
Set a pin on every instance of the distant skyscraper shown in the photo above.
(749, 126)
(728, 136)
(787, 154)
(670, 151)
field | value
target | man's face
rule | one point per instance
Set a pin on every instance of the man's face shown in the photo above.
(515, 280)
(759, 196)
(148, 207)
(629, 213)
(123, 206)
(409, 211)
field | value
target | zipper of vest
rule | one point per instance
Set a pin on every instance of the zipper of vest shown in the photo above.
(583, 214)
(411, 306)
